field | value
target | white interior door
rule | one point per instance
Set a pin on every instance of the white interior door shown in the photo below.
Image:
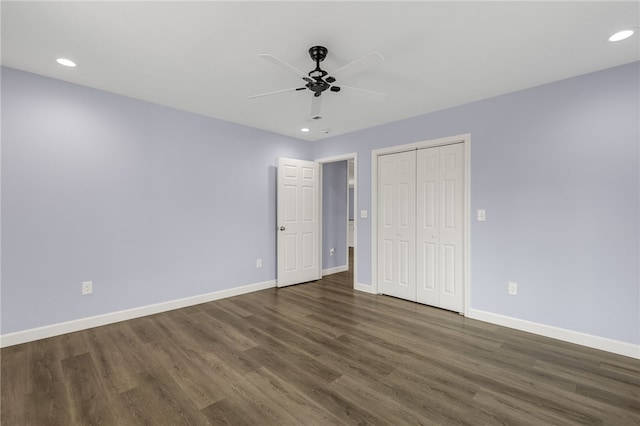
(396, 225)
(298, 222)
(440, 229)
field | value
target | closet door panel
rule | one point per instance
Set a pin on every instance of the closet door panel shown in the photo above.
(451, 231)
(428, 219)
(440, 198)
(396, 225)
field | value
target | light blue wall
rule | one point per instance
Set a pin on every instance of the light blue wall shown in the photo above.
(334, 214)
(154, 204)
(557, 169)
(150, 203)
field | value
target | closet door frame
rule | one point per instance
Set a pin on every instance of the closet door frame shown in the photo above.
(465, 139)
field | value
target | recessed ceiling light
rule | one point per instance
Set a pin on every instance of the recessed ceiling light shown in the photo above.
(304, 129)
(66, 62)
(621, 35)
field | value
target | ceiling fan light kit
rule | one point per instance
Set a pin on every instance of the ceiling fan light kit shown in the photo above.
(319, 80)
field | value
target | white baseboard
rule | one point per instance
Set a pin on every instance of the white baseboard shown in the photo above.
(584, 339)
(596, 342)
(32, 334)
(335, 270)
(364, 288)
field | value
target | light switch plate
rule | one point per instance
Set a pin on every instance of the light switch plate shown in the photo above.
(512, 288)
(364, 214)
(482, 215)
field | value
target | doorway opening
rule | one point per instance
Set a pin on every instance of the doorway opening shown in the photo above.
(339, 223)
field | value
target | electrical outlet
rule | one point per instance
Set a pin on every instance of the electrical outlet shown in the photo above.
(87, 287)
(512, 288)
(258, 263)
(332, 251)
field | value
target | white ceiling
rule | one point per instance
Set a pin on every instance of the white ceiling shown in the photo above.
(203, 56)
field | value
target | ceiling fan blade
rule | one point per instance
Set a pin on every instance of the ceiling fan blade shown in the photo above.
(279, 62)
(357, 66)
(369, 95)
(275, 92)
(316, 105)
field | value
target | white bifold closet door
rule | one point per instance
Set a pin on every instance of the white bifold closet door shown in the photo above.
(397, 224)
(420, 226)
(440, 231)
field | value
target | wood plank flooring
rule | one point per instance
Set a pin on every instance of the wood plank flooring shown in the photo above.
(313, 354)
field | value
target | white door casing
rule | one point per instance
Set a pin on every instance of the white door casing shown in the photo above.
(440, 226)
(396, 225)
(298, 222)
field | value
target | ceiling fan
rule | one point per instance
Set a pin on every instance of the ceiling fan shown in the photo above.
(319, 80)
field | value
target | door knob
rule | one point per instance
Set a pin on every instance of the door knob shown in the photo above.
(282, 228)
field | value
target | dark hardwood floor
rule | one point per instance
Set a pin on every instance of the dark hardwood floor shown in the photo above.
(313, 354)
